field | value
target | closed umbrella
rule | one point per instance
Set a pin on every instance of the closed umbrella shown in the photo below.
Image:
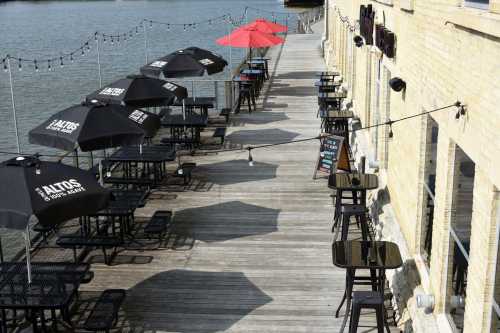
(139, 91)
(47, 192)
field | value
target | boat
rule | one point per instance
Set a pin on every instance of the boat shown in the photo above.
(304, 3)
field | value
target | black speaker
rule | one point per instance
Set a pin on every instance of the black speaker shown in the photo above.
(379, 36)
(358, 41)
(397, 84)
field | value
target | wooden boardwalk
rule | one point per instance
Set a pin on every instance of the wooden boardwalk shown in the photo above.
(250, 249)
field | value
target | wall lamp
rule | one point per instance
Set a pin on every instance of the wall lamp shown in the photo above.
(358, 41)
(397, 84)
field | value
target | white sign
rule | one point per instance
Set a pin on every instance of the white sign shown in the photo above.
(62, 126)
(206, 62)
(170, 86)
(59, 189)
(112, 91)
(158, 64)
(138, 116)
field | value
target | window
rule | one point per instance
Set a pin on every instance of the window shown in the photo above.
(480, 4)
(495, 311)
(432, 133)
(460, 231)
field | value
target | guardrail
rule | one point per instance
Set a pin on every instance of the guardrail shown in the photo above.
(308, 18)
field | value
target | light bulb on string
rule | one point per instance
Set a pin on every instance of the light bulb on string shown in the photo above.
(83, 52)
(168, 27)
(71, 57)
(112, 41)
(4, 62)
(62, 63)
(104, 39)
(150, 24)
(20, 65)
(391, 134)
(88, 46)
(49, 67)
(36, 65)
(250, 158)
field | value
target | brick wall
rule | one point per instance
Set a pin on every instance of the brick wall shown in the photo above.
(444, 53)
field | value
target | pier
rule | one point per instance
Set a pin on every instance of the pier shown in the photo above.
(250, 247)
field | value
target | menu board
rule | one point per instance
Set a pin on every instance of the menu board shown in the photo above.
(329, 153)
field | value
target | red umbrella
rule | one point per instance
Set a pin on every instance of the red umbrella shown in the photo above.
(249, 38)
(267, 27)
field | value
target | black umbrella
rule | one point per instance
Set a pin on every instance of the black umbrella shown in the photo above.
(88, 127)
(49, 192)
(139, 91)
(191, 61)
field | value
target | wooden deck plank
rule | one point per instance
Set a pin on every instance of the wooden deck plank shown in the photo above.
(250, 250)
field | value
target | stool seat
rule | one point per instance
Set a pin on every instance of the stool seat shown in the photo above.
(367, 298)
(352, 209)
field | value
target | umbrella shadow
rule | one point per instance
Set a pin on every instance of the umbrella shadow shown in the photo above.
(270, 106)
(236, 171)
(258, 137)
(297, 75)
(301, 91)
(259, 118)
(225, 221)
(186, 301)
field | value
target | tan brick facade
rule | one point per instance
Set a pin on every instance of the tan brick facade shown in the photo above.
(445, 51)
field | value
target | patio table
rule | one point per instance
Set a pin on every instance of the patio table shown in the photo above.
(201, 103)
(376, 256)
(192, 123)
(52, 288)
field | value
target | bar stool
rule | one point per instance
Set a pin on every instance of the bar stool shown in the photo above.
(245, 94)
(358, 212)
(368, 300)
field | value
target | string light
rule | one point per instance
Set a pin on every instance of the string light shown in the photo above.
(71, 58)
(250, 158)
(391, 134)
(184, 27)
(83, 52)
(49, 67)
(20, 66)
(62, 63)
(36, 66)
(4, 62)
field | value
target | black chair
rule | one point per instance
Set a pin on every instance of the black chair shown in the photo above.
(359, 213)
(245, 94)
(368, 300)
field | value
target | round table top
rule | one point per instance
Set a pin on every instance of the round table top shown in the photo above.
(344, 181)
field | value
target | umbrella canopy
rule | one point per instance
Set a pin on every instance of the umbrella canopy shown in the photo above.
(265, 26)
(149, 122)
(52, 192)
(88, 127)
(139, 91)
(249, 38)
(191, 61)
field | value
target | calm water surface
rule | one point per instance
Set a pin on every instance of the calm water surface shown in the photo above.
(46, 28)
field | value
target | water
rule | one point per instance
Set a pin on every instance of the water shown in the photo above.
(38, 30)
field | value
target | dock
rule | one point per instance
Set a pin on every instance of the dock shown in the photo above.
(250, 247)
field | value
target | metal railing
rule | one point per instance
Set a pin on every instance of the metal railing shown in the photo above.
(307, 18)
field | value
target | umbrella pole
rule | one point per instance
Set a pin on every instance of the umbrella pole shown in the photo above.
(28, 252)
(101, 179)
(98, 61)
(146, 41)
(16, 130)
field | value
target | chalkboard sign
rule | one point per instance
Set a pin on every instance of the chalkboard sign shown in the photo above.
(329, 153)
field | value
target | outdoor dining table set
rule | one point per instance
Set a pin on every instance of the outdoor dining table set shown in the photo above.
(250, 81)
(365, 254)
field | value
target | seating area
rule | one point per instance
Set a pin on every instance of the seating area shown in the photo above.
(211, 243)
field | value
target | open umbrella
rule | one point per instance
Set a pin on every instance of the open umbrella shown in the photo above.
(88, 127)
(47, 192)
(249, 38)
(139, 91)
(265, 26)
(191, 61)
